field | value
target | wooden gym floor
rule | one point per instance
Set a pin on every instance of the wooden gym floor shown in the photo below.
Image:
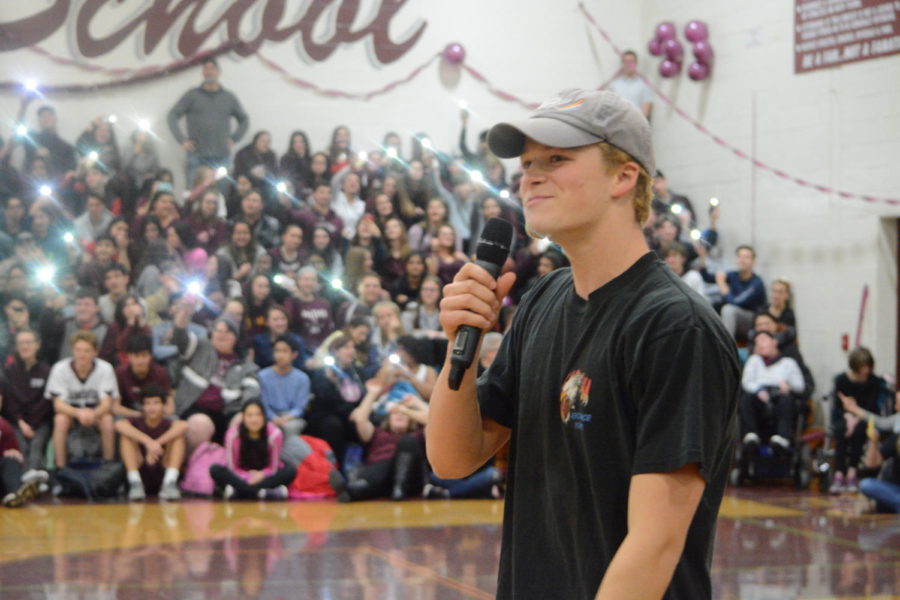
(772, 544)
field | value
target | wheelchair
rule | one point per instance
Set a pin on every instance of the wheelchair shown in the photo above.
(771, 463)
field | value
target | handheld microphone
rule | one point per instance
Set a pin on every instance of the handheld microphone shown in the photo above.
(490, 254)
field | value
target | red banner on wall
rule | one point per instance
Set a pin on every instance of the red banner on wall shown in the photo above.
(828, 33)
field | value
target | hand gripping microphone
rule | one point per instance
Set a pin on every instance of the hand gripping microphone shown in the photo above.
(490, 255)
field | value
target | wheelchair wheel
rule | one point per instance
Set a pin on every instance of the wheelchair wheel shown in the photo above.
(802, 467)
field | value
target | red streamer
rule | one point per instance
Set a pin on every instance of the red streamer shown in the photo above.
(131, 76)
(340, 93)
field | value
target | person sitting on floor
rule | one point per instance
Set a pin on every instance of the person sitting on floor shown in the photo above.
(152, 448)
(252, 449)
(395, 452)
(13, 490)
(884, 452)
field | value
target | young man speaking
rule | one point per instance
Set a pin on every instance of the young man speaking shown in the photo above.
(616, 385)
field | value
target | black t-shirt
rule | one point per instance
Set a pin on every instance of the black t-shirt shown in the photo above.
(639, 378)
(865, 392)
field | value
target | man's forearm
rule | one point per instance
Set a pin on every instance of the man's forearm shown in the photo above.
(640, 570)
(454, 438)
(176, 430)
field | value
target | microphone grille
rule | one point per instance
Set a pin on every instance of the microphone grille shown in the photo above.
(495, 242)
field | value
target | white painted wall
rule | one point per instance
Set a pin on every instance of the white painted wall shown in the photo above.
(516, 45)
(839, 127)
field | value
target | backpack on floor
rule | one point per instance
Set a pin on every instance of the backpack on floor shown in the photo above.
(314, 472)
(91, 480)
(197, 479)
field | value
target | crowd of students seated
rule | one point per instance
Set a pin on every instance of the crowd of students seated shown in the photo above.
(295, 296)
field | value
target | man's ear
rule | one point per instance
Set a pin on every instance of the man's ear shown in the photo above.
(625, 179)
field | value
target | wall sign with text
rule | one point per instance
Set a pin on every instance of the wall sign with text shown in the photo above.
(188, 22)
(828, 33)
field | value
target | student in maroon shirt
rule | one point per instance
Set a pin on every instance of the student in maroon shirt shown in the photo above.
(23, 403)
(319, 211)
(310, 313)
(395, 457)
(139, 372)
(152, 448)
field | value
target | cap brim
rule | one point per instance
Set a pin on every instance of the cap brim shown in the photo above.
(507, 140)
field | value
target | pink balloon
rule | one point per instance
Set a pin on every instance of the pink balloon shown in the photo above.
(673, 49)
(669, 68)
(454, 53)
(665, 31)
(696, 31)
(703, 52)
(655, 47)
(698, 71)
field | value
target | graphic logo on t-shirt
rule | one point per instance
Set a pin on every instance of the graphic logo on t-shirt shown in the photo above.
(574, 397)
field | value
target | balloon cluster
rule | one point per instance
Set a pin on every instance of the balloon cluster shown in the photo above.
(666, 44)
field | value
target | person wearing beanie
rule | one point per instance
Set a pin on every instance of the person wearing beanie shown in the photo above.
(215, 381)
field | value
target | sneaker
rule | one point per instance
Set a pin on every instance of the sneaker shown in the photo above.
(851, 486)
(136, 492)
(435, 492)
(228, 493)
(837, 485)
(26, 493)
(278, 493)
(751, 444)
(779, 443)
(170, 492)
(35, 475)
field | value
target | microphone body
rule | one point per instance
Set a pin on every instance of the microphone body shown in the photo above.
(491, 254)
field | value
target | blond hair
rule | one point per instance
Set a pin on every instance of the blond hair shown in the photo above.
(643, 187)
(85, 336)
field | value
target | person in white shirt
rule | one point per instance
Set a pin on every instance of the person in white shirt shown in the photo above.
(82, 389)
(768, 381)
(630, 86)
(347, 203)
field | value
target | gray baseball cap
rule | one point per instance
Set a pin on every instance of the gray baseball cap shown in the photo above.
(577, 117)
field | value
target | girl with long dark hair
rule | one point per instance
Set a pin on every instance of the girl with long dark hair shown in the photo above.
(130, 319)
(295, 163)
(253, 468)
(241, 251)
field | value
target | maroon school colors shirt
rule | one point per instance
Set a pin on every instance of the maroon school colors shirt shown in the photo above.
(383, 444)
(152, 432)
(130, 385)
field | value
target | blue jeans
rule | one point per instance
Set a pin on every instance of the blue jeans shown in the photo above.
(885, 494)
(478, 484)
